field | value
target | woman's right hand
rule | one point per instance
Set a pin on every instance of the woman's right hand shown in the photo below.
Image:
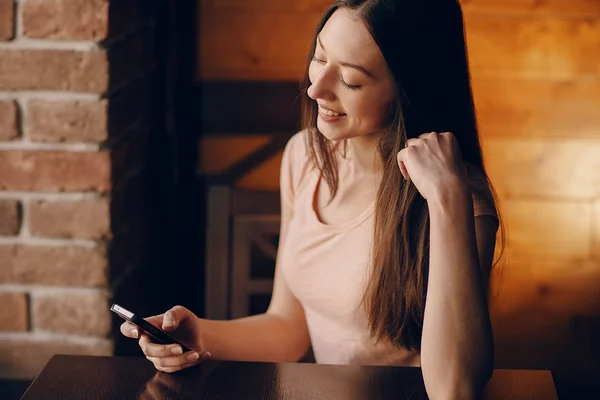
(184, 326)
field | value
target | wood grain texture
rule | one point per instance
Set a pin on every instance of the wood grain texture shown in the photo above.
(264, 177)
(528, 108)
(547, 229)
(547, 286)
(571, 8)
(557, 168)
(135, 377)
(217, 153)
(538, 7)
(254, 45)
(596, 231)
(267, 5)
(242, 43)
(533, 48)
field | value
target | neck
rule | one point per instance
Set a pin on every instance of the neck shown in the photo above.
(363, 153)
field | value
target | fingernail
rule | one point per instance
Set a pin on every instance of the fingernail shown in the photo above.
(134, 332)
(176, 351)
(169, 322)
(193, 357)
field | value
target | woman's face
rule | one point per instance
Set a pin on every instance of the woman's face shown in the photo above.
(349, 76)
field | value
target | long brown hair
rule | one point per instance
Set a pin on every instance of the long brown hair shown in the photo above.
(423, 44)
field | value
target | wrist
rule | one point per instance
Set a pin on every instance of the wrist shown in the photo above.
(452, 193)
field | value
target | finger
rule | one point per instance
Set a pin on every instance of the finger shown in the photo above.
(412, 142)
(428, 135)
(129, 330)
(174, 317)
(159, 350)
(403, 169)
(174, 364)
(155, 320)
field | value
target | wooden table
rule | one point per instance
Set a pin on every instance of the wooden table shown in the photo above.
(86, 377)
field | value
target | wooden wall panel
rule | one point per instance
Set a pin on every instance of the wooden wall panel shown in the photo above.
(528, 108)
(547, 230)
(267, 5)
(533, 48)
(548, 286)
(533, 310)
(562, 8)
(539, 167)
(276, 50)
(572, 8)
(596, 231)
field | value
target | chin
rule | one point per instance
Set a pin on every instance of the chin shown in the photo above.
(331, 133)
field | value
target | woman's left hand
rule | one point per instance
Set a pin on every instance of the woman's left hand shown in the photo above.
(433, 162)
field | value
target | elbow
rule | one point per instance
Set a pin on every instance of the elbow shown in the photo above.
(463, 382)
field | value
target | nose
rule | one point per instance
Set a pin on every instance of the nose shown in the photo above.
(321, 87)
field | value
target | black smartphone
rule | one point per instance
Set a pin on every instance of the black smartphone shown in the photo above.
(156, 334)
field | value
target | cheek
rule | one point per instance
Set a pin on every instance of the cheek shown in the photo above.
(371, 111)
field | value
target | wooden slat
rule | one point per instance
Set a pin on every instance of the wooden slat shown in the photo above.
(547, 230)
(533, 48)
(267, 5)
(548, 286)
(553, 7)
(580, 8)
(217, 252)
(561, 168)
(217, 153)
(264, 177)
(254, 45)
(525, 108)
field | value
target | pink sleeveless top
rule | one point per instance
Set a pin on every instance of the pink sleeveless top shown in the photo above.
(326, 267)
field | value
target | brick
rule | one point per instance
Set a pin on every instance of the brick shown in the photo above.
(7, 19)
(54, 170)
(10, 217)
(8, 120)
(65, 19)
(14, 314)
(85, 219)
(78, 314)
(81, 71)
(25, 358)
(61, 265)
(67, 121)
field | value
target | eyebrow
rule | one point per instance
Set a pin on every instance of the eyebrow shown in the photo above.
(347, 64)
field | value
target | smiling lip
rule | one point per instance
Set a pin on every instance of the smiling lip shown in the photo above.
(329, 118)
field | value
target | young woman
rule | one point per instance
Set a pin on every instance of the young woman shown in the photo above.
(389, 225)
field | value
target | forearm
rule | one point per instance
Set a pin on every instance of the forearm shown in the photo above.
(263, 337)
(457, 344)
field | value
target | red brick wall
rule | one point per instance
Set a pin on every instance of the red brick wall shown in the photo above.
(76, 119)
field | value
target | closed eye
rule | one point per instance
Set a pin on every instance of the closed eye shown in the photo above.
(347, 86)
(317, 60)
